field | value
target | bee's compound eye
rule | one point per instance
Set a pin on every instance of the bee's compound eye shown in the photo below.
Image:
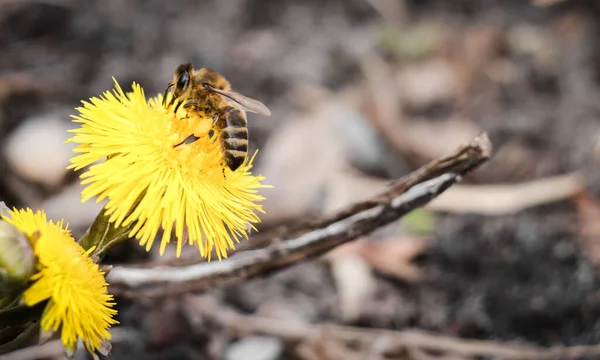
(183, 80)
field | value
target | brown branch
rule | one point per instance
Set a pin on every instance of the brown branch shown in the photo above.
(394, 341)
(464, 160)
(54, 349)
(287, 246)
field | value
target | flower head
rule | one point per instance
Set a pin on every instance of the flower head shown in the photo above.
(75, 288)
(156, 180)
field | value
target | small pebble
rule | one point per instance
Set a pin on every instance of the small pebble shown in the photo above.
(255, 348)
(296, 309)
(67, 205)
(36, 149)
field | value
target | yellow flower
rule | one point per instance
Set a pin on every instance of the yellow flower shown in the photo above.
(75, 288)
(152, 180)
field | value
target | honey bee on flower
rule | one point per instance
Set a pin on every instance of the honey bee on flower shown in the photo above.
(155, 177)
(206, 94)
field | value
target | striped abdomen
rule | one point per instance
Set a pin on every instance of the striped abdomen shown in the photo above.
(233, 136)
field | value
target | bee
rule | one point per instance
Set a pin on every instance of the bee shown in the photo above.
(205, 93)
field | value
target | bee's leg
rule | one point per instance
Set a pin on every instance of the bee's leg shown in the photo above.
(177, 107)
(211, 132)
(188, 140)
(190, 103)
(186, 105)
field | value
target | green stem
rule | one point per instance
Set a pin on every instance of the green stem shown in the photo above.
(103, 235)
(21, 314)
(25, 333)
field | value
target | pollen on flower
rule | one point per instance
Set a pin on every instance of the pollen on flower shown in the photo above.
(78, 302)
(155, 181)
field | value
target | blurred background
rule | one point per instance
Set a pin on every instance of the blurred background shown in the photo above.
(362, 92)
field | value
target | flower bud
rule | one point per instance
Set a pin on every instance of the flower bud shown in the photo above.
(17, 259)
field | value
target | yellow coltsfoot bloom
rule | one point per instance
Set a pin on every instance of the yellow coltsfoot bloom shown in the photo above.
(154, 179)
(78, 302)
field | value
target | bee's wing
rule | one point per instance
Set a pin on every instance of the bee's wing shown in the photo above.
(245, 102)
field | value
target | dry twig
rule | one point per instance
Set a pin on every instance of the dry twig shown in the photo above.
(55, 349)
(286, 246)
(510, 198)
(390, 341)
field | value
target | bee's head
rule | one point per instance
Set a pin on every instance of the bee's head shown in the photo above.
(180, 85)
(202, 82)
(207, 86)
(182, 80)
